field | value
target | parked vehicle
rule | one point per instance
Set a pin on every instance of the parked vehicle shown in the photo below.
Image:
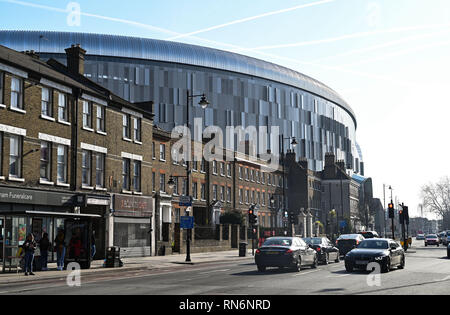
(285, 252)
(420, 237)
(431, 239)
(369, 234)
(448, 250)
(347, 242)
(446, 238)
(386, 252)
(441, 236)
(325, 250)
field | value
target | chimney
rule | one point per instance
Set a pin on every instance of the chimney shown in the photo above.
(341, 164)
(329, 159)
(32, 54)
(303, 163)
(75, 59)
(290, 158)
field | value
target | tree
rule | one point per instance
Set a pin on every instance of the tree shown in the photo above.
(232, 217)
(436, 199)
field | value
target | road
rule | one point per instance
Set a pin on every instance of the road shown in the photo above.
(427, 271)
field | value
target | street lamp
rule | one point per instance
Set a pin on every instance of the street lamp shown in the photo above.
(203, 103)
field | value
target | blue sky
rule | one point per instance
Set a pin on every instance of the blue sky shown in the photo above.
(387, 58)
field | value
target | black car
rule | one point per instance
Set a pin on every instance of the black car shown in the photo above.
(347, 242)
(386, 252)
(285, 252)
(324, 249)
(369, 234)
(448, 250)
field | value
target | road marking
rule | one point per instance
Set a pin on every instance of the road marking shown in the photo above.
(340, 276)
(206, 272)
(305, 273)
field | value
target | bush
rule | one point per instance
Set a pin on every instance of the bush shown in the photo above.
(232, 217)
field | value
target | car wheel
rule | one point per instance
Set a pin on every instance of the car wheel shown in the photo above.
(338, 258)
(402, 263)
(387, 266)
(261, 268)
(298, 266)
(348, 267)
(315, 263)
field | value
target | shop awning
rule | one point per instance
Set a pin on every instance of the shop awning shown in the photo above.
(60, 214)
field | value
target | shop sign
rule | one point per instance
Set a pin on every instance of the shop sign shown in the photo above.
(135, 206)
(37, 197)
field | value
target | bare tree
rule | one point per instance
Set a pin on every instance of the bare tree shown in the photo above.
(436, 199)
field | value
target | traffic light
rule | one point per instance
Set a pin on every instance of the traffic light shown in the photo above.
(401, 216)
(391, 210)
(406, 215)
(252, 218)
(291, 217)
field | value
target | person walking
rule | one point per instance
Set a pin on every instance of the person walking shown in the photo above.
(60, 247)
(44, 244)
(29, 247)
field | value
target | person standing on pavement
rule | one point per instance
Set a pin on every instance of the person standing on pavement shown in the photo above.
(93, 249)
(60, 247)
(44, 244)
(29, 247)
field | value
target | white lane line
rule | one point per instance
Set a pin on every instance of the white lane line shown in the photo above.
(305, 273)
(206, 272)
(340, 276)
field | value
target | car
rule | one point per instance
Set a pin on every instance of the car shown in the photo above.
(448, 250)
(420, 237)
(347, 242)
(291, 252)
(369, 234)
(325, 250)
(441, 236)
(386, 252)
(431, 239)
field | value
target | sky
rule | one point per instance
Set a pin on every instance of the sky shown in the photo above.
(389, 59)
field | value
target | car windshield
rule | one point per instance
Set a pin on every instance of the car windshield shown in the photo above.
(349, 236)
(431, 236)
(278, 242)
(374, 244)
(313, 240)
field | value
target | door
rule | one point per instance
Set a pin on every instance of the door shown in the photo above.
(2, 237)
(176, 241)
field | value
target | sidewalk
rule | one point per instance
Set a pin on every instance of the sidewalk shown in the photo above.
(129, 264)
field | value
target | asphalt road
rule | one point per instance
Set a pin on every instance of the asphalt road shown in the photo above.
(427, 271)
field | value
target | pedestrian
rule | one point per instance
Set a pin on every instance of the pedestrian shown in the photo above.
(29, 247)
(44, 244)
(93, 249)
(60, 248)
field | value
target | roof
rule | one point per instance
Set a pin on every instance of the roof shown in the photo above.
(167, 51)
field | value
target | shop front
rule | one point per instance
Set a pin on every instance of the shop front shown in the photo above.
(131, 226)
(25, 211)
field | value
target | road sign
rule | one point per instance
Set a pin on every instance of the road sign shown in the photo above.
(185, 201)
(187, 222)
(343, 224)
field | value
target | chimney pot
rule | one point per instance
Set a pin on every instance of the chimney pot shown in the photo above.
(75, 59)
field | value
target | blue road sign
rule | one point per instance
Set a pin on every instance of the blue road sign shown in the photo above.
(187, 222)
(342, 224)
(185, 201)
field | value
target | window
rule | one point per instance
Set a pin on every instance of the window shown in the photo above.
(228, 170)
(215, 167)
(1, 151)
(62, 107)
(162, 152)
(87, 114)
(214, 192)
(240, 172)
(203, 166)
(126, 174)
(137, 129)
(263, 178)
(162, 182)
(263, 199)
(86, 168)
(15, 153)
(153, 181)
(229, 194)
(62, 164)
(46, 154)
(175, 186)
(153, 150)
(203, 191)
(100, 170)
(194, 190)
(222, 193)
(222, 168)
(16, 93)
(126, 127)
(101, 118)
(46, 102)
(194, 166)
(247, 196)
(137, 176)
(241, 195)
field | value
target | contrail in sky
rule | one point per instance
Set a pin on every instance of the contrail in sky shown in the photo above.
(251, 18)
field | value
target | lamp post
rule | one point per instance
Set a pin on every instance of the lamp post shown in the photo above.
(393, 227)
(203, 103)
(294, 143)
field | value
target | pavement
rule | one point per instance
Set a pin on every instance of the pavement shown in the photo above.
(129, 264)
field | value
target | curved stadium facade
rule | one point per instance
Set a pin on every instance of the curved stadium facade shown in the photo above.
(243, 91)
